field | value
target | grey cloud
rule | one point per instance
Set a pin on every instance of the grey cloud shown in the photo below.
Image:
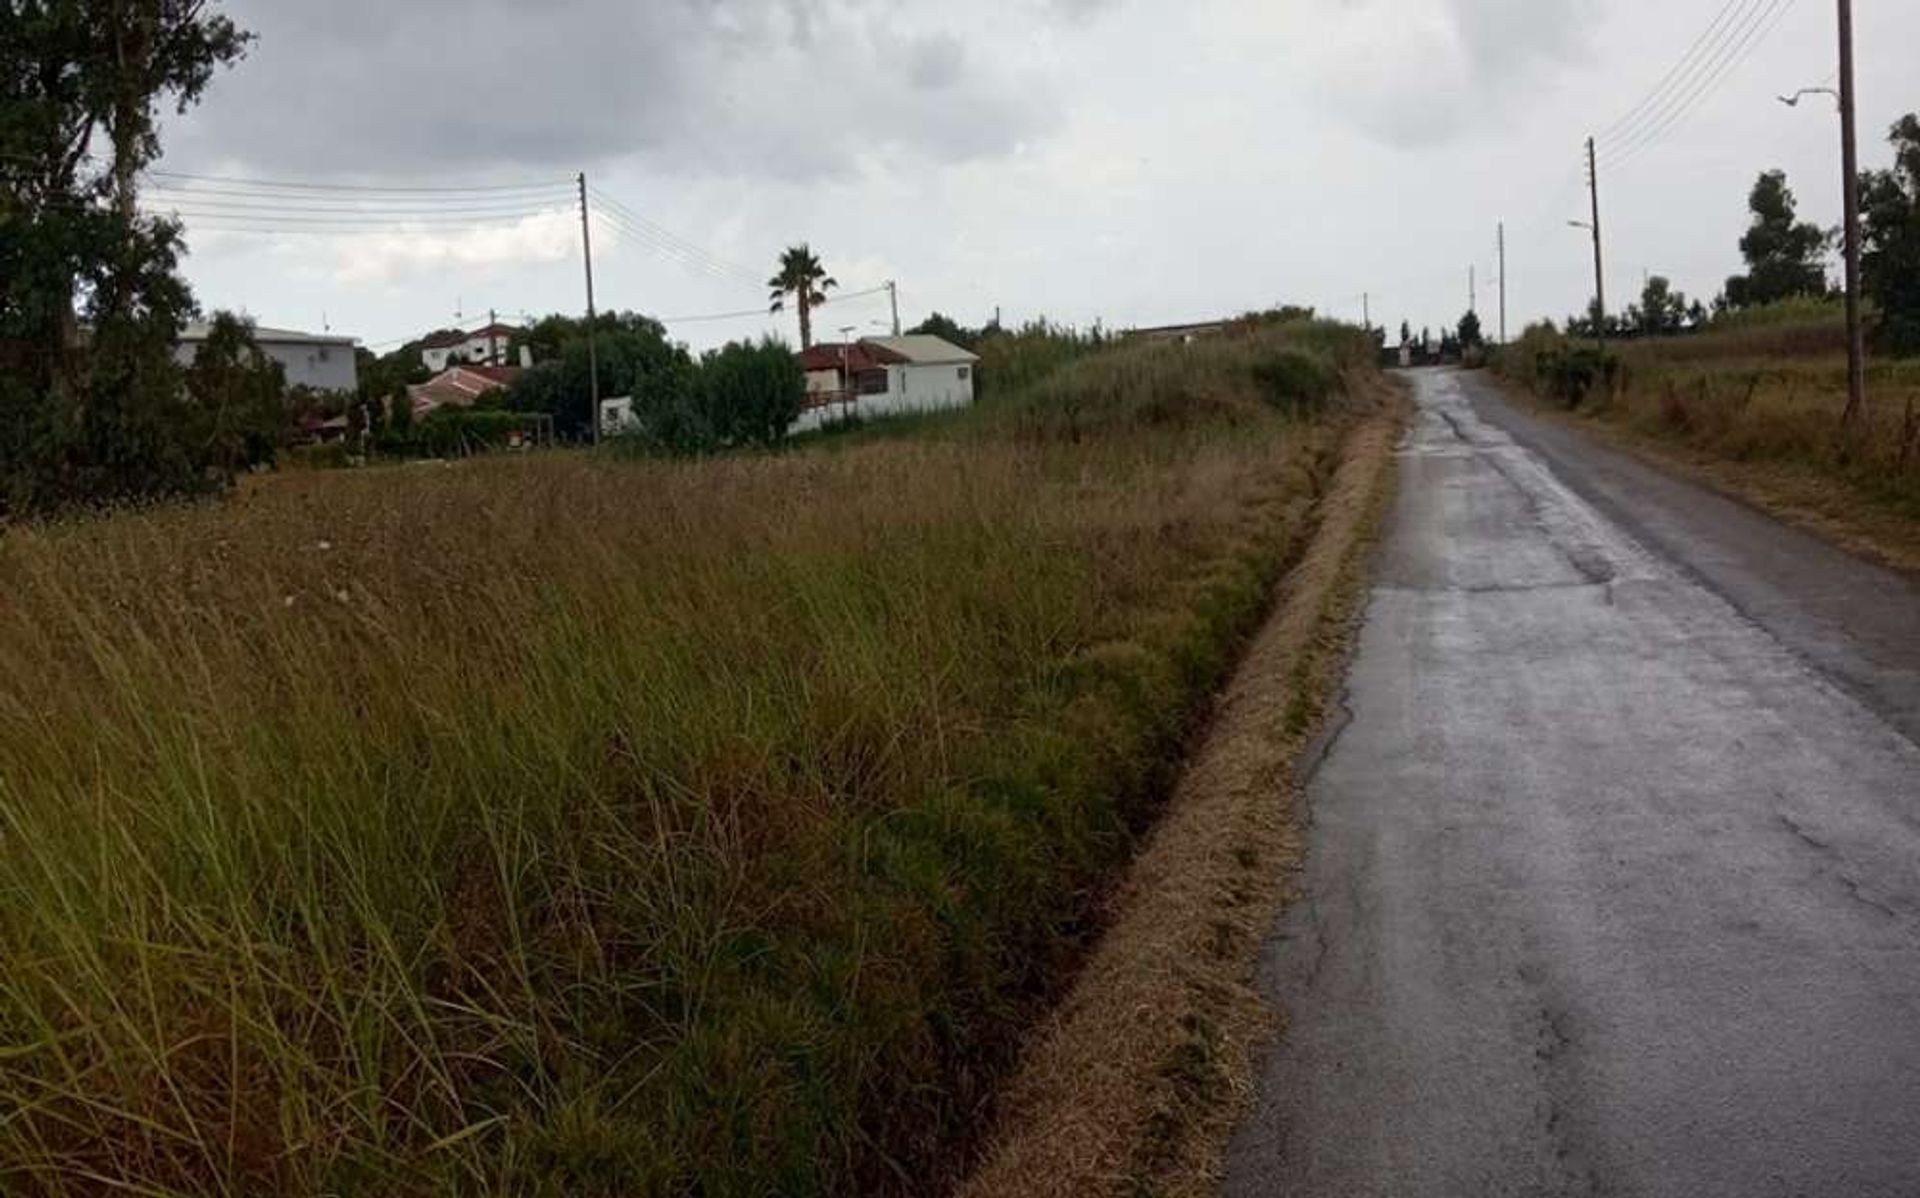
(377, 88)
(1510, 35)
(936, 62)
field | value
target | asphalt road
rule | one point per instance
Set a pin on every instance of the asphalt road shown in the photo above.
(1613, 883)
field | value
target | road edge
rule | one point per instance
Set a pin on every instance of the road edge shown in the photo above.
(1793, 497)
(1137, 1081)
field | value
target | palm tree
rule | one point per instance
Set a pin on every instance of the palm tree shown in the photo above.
(802, 277)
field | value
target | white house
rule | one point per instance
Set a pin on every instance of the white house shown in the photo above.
(322, 363)
(884, 376)
(616, 416)
(482, 347)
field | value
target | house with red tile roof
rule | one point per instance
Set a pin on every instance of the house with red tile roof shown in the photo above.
(460, 387)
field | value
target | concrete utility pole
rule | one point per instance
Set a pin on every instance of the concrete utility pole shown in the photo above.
(1599, 258)
(1366, 311)
(1473, 289)
(1854, 422)
(893, 294)
(1503, 282)
(593, 353)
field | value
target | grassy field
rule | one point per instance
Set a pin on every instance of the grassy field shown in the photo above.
(1756, 403)
(575, 826)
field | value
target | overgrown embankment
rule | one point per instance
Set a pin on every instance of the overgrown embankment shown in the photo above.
(575, 826)
(1754, 405)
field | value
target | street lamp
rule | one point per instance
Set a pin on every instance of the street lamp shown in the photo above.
(1793, 101)
(1853, 423)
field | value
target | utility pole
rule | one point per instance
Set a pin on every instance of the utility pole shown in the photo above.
(1854, 422)
(1366, 311)
(1503, 282)
(493, 337)
(1599, 258)
(893, 294)
(1473, 288)
(593, 353)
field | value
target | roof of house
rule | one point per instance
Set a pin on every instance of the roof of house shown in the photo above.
(200, 330)
(454, 338)
(923, 350)
(461, 385)
(855, 356)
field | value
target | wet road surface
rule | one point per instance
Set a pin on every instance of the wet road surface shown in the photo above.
(1614, 873)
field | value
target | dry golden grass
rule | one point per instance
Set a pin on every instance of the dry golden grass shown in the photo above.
(570, 826)
(1134, 1085)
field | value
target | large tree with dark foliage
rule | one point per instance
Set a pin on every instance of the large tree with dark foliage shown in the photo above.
(1890, 227)
(635, 356)
(1786, 257)
(92, 404)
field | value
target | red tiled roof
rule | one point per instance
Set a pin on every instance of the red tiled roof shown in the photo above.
(460, 386)
(855, 357)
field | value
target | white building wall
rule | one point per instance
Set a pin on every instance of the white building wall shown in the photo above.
(321, 366)
(910, 389)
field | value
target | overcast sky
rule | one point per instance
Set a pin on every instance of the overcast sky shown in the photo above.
(1130, 161)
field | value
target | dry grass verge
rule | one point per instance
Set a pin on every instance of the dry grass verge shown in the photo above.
(1878, 518)
(1136, 1083)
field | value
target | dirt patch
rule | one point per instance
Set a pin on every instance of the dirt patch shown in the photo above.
(1135, 1084)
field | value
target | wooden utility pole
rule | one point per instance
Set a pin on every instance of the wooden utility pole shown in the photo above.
(1366, 311)
(1854, 422)
(893, 294)
(1599, 258)
(1503, 282)
(593, 353)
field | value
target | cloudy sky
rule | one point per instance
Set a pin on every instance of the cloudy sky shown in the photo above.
(1127, 161)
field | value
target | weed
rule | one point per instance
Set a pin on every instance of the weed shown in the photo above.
(570, 825)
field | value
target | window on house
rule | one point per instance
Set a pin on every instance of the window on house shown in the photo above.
(872, 382)
(966, 372)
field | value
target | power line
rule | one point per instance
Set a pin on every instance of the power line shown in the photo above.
(290, 185)
(668, 240)
(1674, 78)
(451, 212)
(666, 248)
(1767, 20)
(272, 222)
(354, 203)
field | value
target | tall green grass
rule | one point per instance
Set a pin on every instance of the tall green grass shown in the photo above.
(584, 827)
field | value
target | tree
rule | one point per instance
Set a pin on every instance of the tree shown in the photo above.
(948, 329)
(635, 358)
(750, 394)
(1470, 335)
(238, 396)
(802, 277)
(105, 414)
(1785, 257)
(1890, 240)
(1406, 333)
(1662, 311)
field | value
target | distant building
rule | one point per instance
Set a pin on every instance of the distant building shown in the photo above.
(320, 363)
(460, 387)
(490, 346)
(885, 376)
(1183, 333)
(616, 416)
